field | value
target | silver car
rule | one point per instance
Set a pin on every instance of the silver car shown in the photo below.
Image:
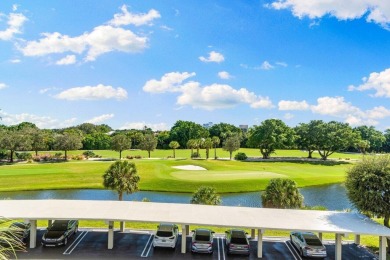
(166, 235)
(308, 244)
(202, 241)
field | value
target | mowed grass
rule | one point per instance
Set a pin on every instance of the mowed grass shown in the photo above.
(158, 174)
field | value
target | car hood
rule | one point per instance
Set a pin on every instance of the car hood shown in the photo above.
(54, 234)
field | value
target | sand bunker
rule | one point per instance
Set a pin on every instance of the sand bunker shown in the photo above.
(190, 168)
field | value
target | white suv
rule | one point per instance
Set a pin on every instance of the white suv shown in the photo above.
(166, 235)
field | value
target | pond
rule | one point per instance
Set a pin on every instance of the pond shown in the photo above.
(333, 197)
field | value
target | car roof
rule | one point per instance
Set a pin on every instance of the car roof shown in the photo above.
(238, 233)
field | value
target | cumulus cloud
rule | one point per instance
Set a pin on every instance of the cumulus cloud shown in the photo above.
(69, 59)
(224, 75)
(3, 86)
(43, 122)
(293, 105)
(379, 82)
(126, 18)
(93, 93)
(334, 106)
(15, 23)
(376, 11)
(15, 61)
(170, 82)
(102, 39)
(142, 125)
(215, 96)
(213, 57)
(99, 119)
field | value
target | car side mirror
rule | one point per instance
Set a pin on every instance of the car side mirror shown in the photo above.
(226, 231)
(192, 230)
(158, 226)
(212, 232)
(246, 233)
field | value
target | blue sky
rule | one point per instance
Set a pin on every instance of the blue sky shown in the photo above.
(134, 63)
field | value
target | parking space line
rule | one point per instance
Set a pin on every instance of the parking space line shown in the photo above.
(295, 253)
(221, 251)
(78, 240)
(148, 245)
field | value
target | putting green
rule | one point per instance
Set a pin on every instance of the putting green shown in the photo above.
(207, 176)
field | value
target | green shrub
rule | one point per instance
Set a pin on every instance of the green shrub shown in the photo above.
(23, 156)
(195, 155)
(240, 157)
(89, 154)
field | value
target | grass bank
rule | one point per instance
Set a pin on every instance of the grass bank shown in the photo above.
(159, 174)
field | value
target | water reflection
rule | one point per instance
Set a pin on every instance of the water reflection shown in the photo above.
(332, 197)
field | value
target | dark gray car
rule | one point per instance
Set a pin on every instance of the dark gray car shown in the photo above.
(237, 242)
(59, 232)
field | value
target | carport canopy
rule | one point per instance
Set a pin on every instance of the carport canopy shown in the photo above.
(340, 223)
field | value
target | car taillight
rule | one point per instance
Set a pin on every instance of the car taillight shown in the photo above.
(247, 246)
(308, 248)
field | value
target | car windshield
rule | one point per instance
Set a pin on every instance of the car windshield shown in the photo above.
(59, 226)
(201, 237)
(164, 233)
(238, 240)
(313, 242)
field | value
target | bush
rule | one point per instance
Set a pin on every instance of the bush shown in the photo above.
(195, 155)
(23, 156)
(240, 157)
(3, 154)
(58, 155)
(89, 154)
(78, 157)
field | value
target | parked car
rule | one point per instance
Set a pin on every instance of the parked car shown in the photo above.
(166, 235)
(59, 232)
(202, 241)
(308, 244)
(237, 242)
(17, 231)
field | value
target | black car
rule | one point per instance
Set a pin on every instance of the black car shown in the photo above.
(17, 231)
(237, 242)
(59, 232)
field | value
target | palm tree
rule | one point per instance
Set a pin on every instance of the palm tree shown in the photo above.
(10, 240)
(206, 195)
(191, 144)
(122, 177)
(216, 141)
(283, 194)
(174, 145)
(207, 144)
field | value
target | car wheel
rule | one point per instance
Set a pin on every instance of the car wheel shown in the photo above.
(66, 241)
(301, 253)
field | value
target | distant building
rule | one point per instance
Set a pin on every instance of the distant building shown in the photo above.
(244, 128)
(208, 125)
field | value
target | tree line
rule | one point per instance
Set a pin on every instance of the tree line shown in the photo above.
(271, 134)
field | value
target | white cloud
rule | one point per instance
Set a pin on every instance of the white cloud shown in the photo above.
(99, 119)
(142, 125)
(102, 39)
(15, 23)
(293, 105)
(15, 61)
(379, 82)
(69, 59)
(126, 18)
(213, 57)
(215, 96)
(43, 122)
(3, 86)
(224, 75)
(170, 82)
(338, 107)
(334, 106)
(93, 93)
(281, 63)
(377, 11)
(218, 96)
(15, 7)
(266, 66)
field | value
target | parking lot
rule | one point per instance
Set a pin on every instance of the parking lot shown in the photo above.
(92, 244)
